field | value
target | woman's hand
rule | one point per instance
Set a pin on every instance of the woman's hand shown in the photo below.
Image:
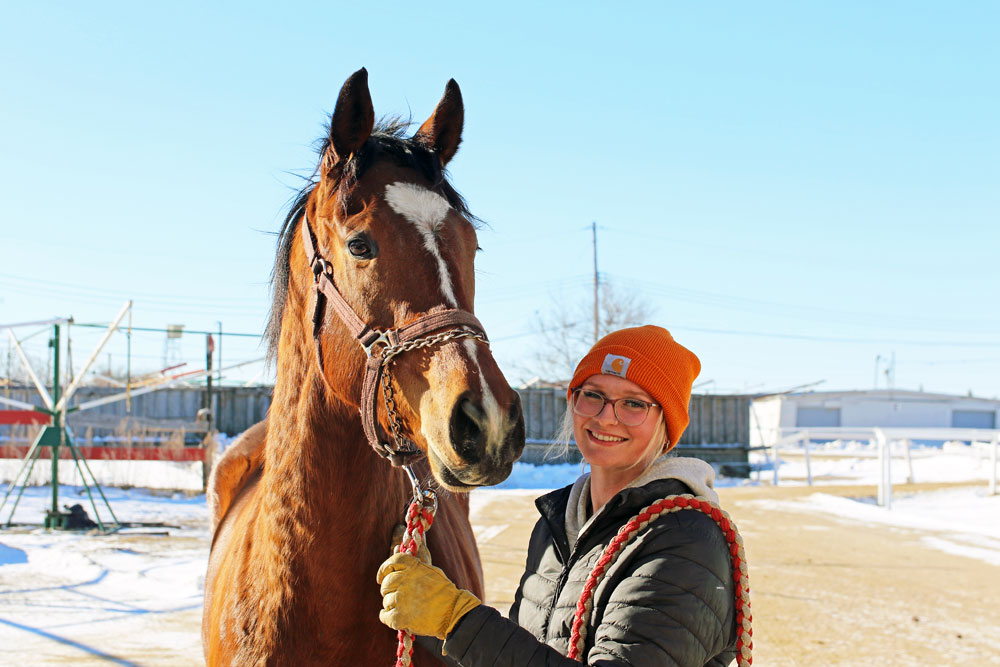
(420, 598)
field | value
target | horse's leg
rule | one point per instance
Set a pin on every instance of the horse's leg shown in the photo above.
(226, 560)
(232, 470)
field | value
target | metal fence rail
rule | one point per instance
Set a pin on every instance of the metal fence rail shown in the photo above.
(799, 440)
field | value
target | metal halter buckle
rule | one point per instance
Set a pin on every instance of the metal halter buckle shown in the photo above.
(319, 267)
(383, 339)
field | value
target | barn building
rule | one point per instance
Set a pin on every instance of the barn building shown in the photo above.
(772, 416)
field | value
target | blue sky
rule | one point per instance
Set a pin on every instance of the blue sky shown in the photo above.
(795, 188)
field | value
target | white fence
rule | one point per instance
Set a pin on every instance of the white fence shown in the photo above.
(885, 439)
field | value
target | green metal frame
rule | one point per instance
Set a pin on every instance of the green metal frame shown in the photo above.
(56, 436)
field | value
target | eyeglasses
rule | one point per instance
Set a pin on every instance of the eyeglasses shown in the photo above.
(629, 411)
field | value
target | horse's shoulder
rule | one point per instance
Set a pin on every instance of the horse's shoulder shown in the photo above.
(234, 468)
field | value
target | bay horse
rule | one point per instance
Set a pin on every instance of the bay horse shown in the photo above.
(375, 258)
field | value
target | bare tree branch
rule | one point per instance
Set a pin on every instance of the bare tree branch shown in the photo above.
(567, 329)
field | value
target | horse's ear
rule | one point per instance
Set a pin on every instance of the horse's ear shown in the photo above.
(353, 117)
(443, 130)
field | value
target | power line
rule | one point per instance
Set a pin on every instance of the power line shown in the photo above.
(788, 336)
(186, 331)
(43, 286)
(799, 311)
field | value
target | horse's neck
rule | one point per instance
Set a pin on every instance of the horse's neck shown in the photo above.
(324, 490)
(326, 508)
(320, 473)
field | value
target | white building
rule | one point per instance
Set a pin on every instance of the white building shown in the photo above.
(775, 415)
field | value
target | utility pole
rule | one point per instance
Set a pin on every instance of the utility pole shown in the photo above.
(593, 229)
(220, 353)
(207, 403)
(128, 366)
(208, 408)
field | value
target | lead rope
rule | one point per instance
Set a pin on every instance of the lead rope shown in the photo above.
(419, 517)
(744, 640)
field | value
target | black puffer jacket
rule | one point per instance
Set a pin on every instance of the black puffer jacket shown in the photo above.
(667, 600)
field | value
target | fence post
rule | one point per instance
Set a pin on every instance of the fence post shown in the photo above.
(805, 445)
(909, 462)
(775, 456)
(885, 478)
(993, 461)
(888, 474)
(881, 477)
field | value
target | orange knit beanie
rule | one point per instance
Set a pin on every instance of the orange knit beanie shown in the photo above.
(650, 357)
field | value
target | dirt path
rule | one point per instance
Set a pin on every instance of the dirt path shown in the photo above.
(825, 591)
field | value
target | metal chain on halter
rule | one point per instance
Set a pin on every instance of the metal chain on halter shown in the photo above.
(419, 517)
(389, 353)
(741, 579)
(420, 513)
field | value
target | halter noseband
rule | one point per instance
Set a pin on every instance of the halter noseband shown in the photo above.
(381, 347)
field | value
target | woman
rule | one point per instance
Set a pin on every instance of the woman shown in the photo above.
(667, 600)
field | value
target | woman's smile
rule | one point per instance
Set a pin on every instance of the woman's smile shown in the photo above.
(605, 438)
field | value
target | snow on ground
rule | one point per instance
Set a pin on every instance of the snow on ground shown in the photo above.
(134, 597)
(66, 597)
(963, 521)
(184, 475)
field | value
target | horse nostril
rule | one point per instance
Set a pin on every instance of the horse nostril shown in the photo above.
(516, 414)
(472, 411)
(515, 436)
(467, 429)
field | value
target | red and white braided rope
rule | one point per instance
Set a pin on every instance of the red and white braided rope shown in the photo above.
(741, 579)
(418, 521)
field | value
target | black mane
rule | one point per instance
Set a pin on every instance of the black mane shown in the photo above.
(387, 141)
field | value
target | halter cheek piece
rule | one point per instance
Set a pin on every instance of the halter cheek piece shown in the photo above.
(381, 347)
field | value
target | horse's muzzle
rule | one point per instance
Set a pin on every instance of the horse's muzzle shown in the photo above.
(487, 450)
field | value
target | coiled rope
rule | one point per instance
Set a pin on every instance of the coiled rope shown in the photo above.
(419, 517)
(744, 640)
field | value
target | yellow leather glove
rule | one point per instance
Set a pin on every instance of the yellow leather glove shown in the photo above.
(420, 598)
(397, 541)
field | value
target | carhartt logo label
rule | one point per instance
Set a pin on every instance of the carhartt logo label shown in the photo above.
(615, 365)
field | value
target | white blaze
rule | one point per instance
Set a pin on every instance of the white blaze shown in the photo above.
(494, 420)
(426, 211)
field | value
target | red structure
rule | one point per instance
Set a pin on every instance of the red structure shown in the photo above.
(12, 417)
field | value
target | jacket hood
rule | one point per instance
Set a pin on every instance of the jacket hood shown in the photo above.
(694, 473)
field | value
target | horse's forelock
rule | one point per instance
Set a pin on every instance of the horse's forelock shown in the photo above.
(387, 141)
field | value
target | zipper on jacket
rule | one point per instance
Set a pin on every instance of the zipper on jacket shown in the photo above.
(564, 576)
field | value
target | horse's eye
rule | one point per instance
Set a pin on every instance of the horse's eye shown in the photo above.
(360, 248)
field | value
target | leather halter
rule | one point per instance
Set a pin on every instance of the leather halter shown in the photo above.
(381, 347)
